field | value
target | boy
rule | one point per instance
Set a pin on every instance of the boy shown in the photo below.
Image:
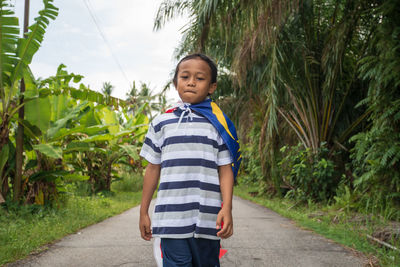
(191, 149)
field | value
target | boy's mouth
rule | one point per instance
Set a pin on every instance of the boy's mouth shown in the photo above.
(190, 91)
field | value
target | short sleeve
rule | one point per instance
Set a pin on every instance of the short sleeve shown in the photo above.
(151, 149)
(224, 156)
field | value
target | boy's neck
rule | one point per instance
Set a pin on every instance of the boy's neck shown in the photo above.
(185, 103)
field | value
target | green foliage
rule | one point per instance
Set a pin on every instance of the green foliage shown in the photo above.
(137, 98)
(252, 168)
(251, 160)
(107, 89)
(48, 150)
(100, 154)
(376, 157)
(376, 153)
(345, 198)
(70, 139)
(307, 175)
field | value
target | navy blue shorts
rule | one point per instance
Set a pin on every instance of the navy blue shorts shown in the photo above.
(196, 252)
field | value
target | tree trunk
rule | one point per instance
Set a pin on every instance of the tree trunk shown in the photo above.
(4, 185)
(92, 179)
(4, 139)
(4, 131)
(19, 146)
(19, 149)
(108, 177)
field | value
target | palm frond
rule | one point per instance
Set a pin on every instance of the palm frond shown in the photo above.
(169, 10)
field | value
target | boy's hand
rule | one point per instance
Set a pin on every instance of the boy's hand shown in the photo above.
(225, 216)
(145, 227)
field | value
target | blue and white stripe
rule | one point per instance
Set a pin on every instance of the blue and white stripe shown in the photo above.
(189, 151)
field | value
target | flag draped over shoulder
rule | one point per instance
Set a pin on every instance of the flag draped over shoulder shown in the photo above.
(224, 126)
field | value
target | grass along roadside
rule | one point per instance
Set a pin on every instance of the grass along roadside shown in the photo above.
(346, 228)
(27, 229)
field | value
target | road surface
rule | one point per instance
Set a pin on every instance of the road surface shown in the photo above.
(261, 238)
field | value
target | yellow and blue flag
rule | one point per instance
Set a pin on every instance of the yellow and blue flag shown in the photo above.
(224, 126)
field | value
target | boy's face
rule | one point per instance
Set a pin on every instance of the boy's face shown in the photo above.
(194, 81)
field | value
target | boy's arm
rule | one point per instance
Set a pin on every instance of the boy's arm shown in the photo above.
(225, 214)
(150, 182)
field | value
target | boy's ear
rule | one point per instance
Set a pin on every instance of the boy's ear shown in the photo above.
(212, 88)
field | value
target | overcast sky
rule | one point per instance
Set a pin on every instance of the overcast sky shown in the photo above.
(74, 40)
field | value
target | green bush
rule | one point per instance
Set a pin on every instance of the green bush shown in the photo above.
(307, 175)
(252, 174)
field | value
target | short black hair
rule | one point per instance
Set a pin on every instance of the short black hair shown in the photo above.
(209, 61)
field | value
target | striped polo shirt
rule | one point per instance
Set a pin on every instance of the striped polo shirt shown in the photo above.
(189, 149)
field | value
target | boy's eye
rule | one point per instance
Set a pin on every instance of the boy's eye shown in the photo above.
(200, 78)
(184, 77)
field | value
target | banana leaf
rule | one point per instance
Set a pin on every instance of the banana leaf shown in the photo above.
(78, 146)
(73, 115)
(48, 176)
(131, 151)
(110, 118)
(49, 150)
(75, 178)
(63, 132)
(38, 113)
(31, 164)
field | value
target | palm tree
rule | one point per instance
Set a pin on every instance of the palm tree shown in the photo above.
(292, 64)
(107, 88)
(296, 51)
(155, 103)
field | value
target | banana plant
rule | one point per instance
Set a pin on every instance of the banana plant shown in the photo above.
(16, 54)
(57, 112)
(45, 173)
(63, 114)
(87, 139)
(98, 155)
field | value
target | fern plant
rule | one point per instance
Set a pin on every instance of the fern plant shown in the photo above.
(376, 154)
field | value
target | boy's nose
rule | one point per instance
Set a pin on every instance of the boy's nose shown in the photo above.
(191, 82)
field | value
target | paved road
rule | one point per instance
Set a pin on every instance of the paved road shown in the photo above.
(261, 238)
